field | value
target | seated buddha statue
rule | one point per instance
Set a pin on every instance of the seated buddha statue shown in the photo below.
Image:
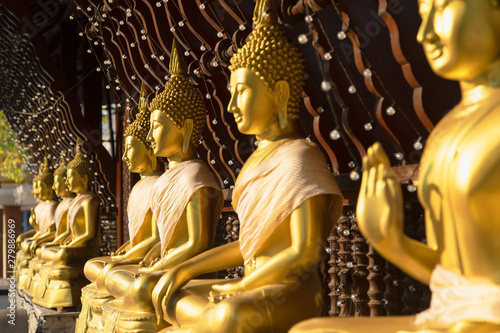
(20, 256)
(61, 225)
(32, 218)
(459, 185)
(61, 277)
(286, 199)
(143, 231)
(43, 214)
(186, 202)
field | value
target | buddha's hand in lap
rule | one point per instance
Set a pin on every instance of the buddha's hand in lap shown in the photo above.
(118, 256)
(168, 284)
(146, 268)
(231, 288)
(380, 204)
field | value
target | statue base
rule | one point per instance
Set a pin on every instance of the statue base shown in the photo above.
(350, 325)
(60, 287)
(40, 319)
(91, 319)
(33, 276)
(119, 320)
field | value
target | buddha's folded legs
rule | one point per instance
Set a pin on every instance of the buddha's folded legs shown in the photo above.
(75, 255)
(269, 308)
(94, 266)
(119, 279)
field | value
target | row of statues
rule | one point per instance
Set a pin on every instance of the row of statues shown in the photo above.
(163, 278)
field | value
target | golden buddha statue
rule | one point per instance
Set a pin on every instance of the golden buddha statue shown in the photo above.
(142, 226)
(61, 277)
(459, 185)
(42, 217)
(61, 225)
(32, 219)
(186, 202)
(286, 199)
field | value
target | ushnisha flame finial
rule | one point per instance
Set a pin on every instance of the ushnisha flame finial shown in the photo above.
(180, 100)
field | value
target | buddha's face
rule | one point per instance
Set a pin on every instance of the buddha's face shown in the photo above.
(164, 135)
(59, 186)
(135, 155)
(460, 37)
(251, 104)
(74, 181)
(45, 191)
(35, 190)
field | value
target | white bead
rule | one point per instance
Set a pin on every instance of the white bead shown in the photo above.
(367, 73)
(390, 111)
(302, 39)
(354, 175)
(341, 35)
(334, 135)
(418, 145)
(411, 188)
(368, 127)
(326, 86)
(351, 89)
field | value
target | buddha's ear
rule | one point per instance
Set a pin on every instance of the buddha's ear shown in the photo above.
(187, 127)
(281, 96)
(85, 180)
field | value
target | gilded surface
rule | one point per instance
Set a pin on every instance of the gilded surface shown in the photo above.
(458, 183)
(280, 286)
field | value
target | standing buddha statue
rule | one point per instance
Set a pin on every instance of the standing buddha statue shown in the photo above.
(459, 185)
(61, 225)
(186, 202)
(286, 199)
(61, 277)
(143, 231)
(44, 216)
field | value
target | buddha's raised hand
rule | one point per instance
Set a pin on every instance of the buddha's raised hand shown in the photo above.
(380, 203)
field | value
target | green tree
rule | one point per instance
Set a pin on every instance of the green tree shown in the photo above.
(12, 156)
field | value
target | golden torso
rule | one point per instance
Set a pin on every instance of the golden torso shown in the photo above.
(453, 182)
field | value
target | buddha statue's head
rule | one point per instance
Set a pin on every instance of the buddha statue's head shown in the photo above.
(138, 153)
(461, 39)
(178, 113)
(59, 185)
(35, 190)
(45, 182)
(267, 76)
(79, 172)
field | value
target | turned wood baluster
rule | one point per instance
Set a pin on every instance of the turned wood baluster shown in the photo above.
(229, 237)
(361, 285)
(232, 229)
(376, 290)
(235, 232)
(334, 271)
(345, 267)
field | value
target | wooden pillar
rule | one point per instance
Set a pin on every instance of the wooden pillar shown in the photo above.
(12, 221)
